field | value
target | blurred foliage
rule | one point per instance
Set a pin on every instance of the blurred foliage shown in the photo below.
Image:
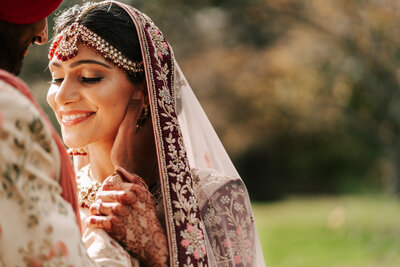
(330, 231)
(303, 93)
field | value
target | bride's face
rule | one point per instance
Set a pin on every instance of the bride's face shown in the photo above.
(89, 96)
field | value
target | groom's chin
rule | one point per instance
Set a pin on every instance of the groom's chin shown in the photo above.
(14, 66)
(18, 67)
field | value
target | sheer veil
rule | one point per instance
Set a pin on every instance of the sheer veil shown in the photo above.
(203, 147)
(206, 152)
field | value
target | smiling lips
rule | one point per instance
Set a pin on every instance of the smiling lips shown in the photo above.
(73, 118)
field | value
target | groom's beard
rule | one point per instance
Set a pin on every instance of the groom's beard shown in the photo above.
(12, 48)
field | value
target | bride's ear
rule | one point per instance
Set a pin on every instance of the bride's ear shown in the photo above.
(145, 92)
(140, 91)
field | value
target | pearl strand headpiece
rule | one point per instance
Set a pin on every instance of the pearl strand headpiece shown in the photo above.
(65, 45)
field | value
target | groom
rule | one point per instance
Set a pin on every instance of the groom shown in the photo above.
(22, 24)
(37, 225)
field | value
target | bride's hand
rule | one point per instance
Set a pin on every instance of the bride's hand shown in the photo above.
(127, 212)
(122, 154)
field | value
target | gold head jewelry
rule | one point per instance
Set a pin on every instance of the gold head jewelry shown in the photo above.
(65, 45)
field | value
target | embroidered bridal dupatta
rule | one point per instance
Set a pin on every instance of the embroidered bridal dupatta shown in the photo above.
(207, 210)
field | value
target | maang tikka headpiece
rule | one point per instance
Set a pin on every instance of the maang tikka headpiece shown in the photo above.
(65, 45)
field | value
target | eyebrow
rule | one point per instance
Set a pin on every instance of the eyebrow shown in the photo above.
(80, 62)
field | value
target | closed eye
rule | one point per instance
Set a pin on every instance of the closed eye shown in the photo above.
(57, 81)
(91, 80)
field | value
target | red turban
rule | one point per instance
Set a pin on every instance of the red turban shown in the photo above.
(27, 11)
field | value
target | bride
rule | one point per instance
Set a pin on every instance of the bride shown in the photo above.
(151, 171)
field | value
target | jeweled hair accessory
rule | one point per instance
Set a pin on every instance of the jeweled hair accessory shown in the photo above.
(65, 45)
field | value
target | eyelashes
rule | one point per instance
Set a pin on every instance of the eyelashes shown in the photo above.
(85, 80)
(56, 81)
(91, 80)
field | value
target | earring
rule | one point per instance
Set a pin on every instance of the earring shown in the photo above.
(144, 115)
(77, 151)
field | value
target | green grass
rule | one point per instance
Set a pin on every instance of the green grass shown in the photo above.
(349, 231)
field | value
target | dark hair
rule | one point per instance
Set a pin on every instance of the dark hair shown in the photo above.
(110, 22)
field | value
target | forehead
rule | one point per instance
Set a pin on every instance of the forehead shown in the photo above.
(84, 53)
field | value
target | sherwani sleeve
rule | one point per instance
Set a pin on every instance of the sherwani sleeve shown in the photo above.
(37, 226)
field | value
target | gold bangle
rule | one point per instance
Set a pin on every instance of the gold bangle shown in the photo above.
(143, 182)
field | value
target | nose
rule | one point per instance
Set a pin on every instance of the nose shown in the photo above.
(41, 37)
(67, 94)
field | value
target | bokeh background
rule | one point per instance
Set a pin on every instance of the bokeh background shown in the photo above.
(305, 95)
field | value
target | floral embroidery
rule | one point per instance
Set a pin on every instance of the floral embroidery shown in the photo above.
(239, 242)
(225, 199)
(186, 228)
(165, 95)
(38, 134)
(192, 238)
(45, 254)
(158, 41)
(19, 182)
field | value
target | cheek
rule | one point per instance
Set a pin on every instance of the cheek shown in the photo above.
(117, 99)
(51, 94)
(112, 108)
(116, 109)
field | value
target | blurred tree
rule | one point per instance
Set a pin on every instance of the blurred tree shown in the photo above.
(318, 80)
(304, 93)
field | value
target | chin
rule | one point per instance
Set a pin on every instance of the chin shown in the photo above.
(16, 68)
(73, 142)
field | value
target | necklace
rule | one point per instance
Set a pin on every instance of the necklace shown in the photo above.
(87, 187)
